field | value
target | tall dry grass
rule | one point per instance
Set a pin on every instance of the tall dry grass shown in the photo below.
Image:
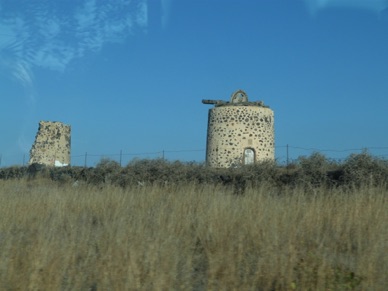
(190, 237)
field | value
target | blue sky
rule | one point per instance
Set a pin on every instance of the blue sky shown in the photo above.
(129, 75)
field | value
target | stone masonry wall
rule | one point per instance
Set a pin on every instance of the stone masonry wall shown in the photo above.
(52, 144)
(235, 130)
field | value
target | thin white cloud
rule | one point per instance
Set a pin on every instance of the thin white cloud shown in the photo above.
(52, 34)
(38, 34)
(22, 72)
(376, 6)
(142, 16)
(11, 52)
(166, 11)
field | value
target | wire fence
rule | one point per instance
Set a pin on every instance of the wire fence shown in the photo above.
(285, 155)
(288, 154)
(124, 158)
(88, 159)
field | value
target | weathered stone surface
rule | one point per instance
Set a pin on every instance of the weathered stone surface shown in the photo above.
(52, 144)
(240, 133)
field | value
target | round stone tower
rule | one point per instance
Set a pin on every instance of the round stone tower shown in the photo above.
(239, 132)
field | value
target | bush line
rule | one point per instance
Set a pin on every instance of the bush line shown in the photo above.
(315, 170)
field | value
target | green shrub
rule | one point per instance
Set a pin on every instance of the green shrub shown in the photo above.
(265, 172)
(364, 169)
(313, 170)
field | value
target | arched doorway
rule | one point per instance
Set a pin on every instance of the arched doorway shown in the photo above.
(249, 156)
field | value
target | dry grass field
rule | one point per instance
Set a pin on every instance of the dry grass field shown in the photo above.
(191, 237)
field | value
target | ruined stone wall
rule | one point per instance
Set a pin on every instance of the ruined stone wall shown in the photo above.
(239, 135)
(52, 144)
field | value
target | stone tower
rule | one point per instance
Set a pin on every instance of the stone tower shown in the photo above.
(52, 144)
(239, 132)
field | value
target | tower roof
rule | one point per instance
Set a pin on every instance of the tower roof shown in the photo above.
(238, 98)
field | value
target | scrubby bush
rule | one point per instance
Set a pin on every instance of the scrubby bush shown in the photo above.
(312, 171)
(163, 172)
(364, 169)
(13, 172)
(108, 166)
(105, 171)
(266, 172)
